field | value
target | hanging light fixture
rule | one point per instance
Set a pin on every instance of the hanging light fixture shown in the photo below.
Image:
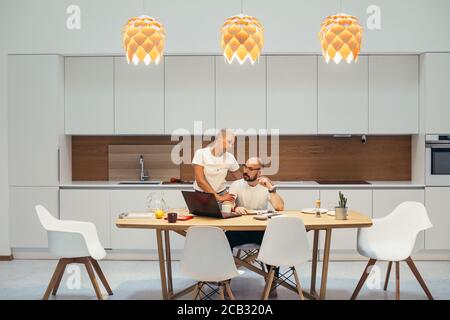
(242, 38)
(144, 40)
(340, 36)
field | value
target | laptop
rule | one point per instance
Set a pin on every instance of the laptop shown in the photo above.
(205, 204)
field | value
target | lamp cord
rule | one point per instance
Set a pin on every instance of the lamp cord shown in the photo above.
(242, 6)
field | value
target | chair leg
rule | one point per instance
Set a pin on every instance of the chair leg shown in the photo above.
(221, 290)
(65, 262)
(397, 280)
(54, 279)
(386, 282)
(269, 282)
(363, 278)
(297, 282)
(101, 275)
(228, 289)
(419, 278)
(90, 271)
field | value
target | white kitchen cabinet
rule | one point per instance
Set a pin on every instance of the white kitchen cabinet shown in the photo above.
(35, 118)
(385, 200)
(343, 97)
(435, 95)
(26, 229)
(437, 201)
(295, 199)
(394, 94)
(241, 95)
(89, 95)
(138, 98)
(358, 200)
(88, 205)
(121, 238)
(189, 92)
(292, 94)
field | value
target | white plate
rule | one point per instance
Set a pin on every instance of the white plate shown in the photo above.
(331, 213)
(314, 210)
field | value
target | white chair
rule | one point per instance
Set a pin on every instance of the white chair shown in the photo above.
(207, 258)
(284, 245)
(392, 238)
(73, 242)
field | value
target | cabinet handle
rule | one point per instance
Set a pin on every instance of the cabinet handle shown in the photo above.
(59, 165)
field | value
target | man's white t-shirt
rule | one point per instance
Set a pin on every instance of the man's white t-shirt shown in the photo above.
(214, 168)
(252, 198)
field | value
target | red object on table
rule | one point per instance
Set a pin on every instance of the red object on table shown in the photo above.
(182, 218)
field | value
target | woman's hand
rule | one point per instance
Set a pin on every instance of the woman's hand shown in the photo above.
(225, 197)
(240, 210)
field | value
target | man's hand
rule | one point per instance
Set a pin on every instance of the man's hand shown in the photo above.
(265, 182)
(226, 197)
(240, 210)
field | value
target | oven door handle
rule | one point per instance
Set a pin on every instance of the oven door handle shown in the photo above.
(437, 146)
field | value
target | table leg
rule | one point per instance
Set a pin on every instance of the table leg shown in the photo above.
(168, 261)
(162, 268)
(326, 257)
(315, 250)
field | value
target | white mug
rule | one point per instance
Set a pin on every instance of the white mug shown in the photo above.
(226, 208)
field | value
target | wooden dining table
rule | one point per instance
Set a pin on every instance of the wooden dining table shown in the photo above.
(312, 223)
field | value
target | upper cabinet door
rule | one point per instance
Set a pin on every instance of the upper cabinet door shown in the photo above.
(190, 92)
(139, 98)
(393, 94)
(35, 118)
(89, 95)
(241, 95)
(343, 97)
(292, 94)
(435, 70)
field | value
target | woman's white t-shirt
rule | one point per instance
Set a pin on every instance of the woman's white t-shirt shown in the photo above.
(214, 168)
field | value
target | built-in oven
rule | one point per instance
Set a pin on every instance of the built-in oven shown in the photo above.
(437, 164)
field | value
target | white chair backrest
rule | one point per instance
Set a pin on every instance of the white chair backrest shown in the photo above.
(409, 218)
(48, 221)
(285, 242)
(207, 255)
(70, 238)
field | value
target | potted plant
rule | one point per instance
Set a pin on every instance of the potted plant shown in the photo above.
(341, 209)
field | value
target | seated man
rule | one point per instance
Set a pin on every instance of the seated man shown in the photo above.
(253, 192)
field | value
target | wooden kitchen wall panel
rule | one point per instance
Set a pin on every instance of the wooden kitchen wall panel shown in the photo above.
(300, 157)
(124, 162)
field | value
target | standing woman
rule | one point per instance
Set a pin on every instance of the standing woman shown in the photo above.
(211, 166)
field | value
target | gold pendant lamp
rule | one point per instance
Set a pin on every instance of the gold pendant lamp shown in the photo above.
(340, 36)
(242, 38)
(144, 39)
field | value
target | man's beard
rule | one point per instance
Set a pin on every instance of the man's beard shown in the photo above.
(248, 179)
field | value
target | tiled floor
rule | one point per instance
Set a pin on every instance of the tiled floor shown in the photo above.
(27, 279)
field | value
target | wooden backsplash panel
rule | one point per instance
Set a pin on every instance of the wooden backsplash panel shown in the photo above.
(301, 157)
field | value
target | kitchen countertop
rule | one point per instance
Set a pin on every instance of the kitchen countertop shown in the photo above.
(280, 184)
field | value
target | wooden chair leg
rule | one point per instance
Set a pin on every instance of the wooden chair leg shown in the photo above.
(221, 290)
(386, 282)
(228, 289)
(397, 280)
(269, 282)
(90, 271)
(54, 279)
(65, 262)
(363, 278)
(297, 282)
(101, 275)
(419, 278)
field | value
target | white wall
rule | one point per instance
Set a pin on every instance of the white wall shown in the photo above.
(4, 198)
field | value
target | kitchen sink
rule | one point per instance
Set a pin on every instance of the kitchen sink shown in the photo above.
(141, 182)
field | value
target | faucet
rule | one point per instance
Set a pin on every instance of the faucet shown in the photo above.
(142, 176)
